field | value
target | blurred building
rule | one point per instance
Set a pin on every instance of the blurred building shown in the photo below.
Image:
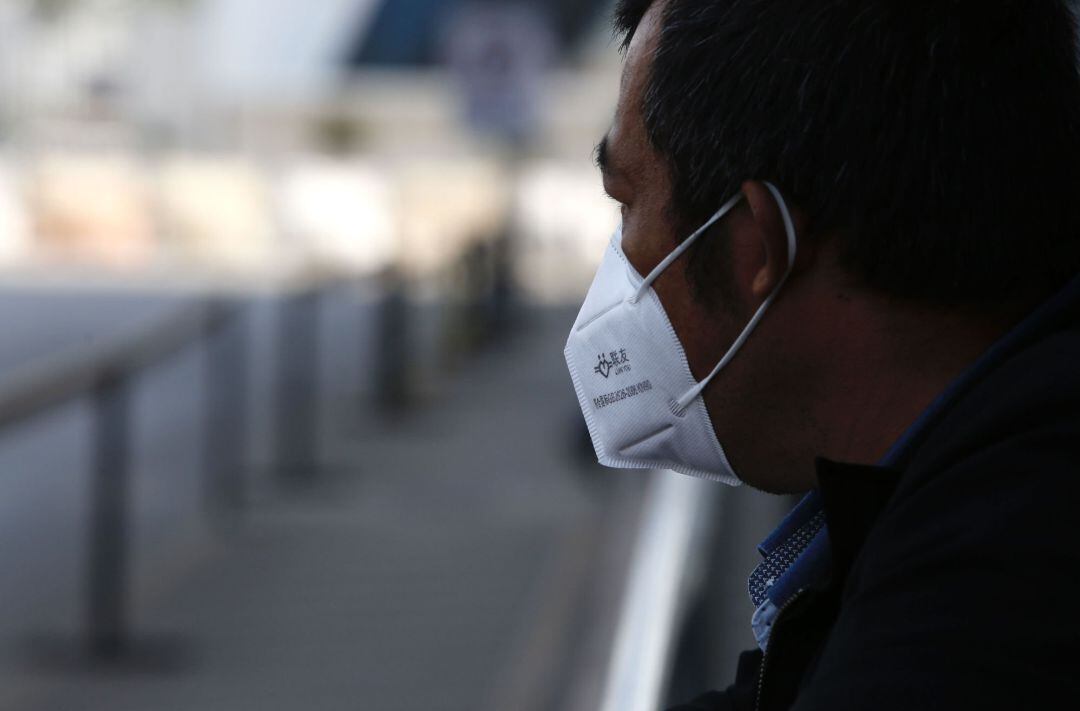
(214, 126)
(389, 36)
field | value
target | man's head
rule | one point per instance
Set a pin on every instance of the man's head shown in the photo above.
(931, 152)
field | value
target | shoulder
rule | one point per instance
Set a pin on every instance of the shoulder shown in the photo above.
(998, 478)
(963, 589)
(1030, 402)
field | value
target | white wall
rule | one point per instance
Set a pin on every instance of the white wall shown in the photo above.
(277, 48)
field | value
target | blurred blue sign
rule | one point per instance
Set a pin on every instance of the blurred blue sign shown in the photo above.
(500, 52)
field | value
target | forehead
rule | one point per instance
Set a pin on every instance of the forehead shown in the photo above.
(628, 129)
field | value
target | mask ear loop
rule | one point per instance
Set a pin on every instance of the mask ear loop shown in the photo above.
(681, 249)
(789, 226)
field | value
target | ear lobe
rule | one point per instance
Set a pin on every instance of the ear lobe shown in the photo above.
(769, 228)
(763, 285)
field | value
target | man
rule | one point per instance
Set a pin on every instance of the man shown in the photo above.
(847, 266)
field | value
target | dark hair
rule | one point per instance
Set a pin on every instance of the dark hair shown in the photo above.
(939, 141)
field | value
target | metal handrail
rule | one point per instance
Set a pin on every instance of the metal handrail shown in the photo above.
(660, 583)
(104, 373)
(60, 379)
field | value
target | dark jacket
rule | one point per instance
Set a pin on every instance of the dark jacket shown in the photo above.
(956, 576)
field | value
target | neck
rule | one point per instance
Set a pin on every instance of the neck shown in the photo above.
(840, 373)
(902, 358)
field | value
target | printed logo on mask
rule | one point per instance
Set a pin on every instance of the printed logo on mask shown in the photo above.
(613, 363)
(619, 395)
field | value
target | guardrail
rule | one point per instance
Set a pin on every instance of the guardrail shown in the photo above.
(105, 374)
(663, 576)
(106, 377)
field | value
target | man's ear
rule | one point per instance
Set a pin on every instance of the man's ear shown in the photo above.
(769, 230)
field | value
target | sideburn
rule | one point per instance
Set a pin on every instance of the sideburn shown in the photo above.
(710, 272)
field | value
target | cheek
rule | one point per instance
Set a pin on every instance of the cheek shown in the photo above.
(635, 244)
(702, 331)
(646, 240)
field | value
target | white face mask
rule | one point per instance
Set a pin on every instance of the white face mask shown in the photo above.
(641, 402)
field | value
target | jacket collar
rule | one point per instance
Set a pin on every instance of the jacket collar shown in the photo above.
(1061, 310)
(853, 497)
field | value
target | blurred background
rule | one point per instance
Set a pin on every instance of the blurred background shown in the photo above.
(284, 419)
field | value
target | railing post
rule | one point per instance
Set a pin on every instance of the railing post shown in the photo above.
(297, 426)
(107, 562)
(392, 354)
(225, 421)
